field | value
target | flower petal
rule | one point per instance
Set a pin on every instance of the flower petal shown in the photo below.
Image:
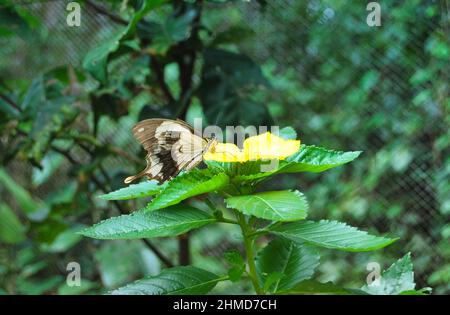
(262, 147)
(224, 152)
(269, 146)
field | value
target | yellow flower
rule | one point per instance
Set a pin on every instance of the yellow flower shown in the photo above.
(262, 147)
(225, 152)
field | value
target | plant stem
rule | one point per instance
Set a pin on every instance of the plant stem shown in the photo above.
(217, 213)
(257, 233)
(225, 220)
(248, 243)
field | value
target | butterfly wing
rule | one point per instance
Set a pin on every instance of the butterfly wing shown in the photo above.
(171, 146)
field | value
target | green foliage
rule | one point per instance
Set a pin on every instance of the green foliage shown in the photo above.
(315, 159)
(171, 221)
(96, 60)
(272, 205)
(397, 279)
(64, 241)
(237, 263)
(164, 35)
(11, 229)
(331, 234)
(282, 266)
(35, 210)
(143, 189)
(294, 263)
(228, 80)
(52, 117)
(193, 183)
(307, 159)
(178, 280)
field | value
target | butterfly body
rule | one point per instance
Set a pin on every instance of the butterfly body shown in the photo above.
(171, 147)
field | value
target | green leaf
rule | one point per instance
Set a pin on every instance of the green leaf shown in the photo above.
(442, 274)
(294, 262)
(144, 189)
(8, 111)
(17, 20)
(399, 277)
(283, 205)
(96, 60)
(270, 281)
(228, 80)
(315, 287)
(144, 224)
(174, 29)
(64, 241)
(177, 280)
(331, 234)
(11, 229)
(50, 164)
(34, 96)
(234, 258)
(315, 159)
(239, 69)
(35, 210)
(306, 159)
(423, 291)
(53, 116)
(193, 183)
(31, 268)
(147, 6)
(239, 171)
(40, 286)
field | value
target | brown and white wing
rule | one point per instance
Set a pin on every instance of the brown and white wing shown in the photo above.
(171, 147)
(188, 151)
(145, 130)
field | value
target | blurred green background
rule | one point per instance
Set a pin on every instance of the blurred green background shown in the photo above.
(314, 65)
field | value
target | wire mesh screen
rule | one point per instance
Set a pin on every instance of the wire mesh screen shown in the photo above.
(338, 82)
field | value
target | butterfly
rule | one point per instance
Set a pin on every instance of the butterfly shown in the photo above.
(171, 147)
